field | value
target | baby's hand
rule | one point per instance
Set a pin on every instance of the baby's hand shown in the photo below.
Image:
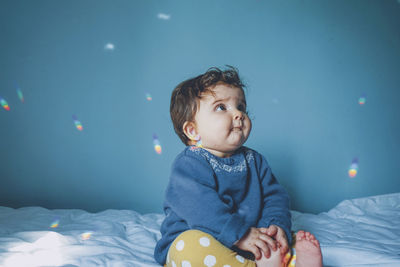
(256, 241)
(279, 235)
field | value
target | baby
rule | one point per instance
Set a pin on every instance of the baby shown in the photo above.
(223, 205)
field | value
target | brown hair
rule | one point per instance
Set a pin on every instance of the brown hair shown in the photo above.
(185, 97)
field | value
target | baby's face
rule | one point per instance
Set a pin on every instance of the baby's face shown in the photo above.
(221, 120)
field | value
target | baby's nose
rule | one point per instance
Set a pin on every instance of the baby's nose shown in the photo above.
(238, 115)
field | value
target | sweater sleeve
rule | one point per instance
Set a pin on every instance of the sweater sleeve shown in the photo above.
(276, 201)
(192, 195)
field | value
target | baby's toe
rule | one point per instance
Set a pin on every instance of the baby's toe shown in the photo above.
(300, 235)
(315, 242)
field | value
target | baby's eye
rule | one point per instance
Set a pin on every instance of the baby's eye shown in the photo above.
(242, 108)
(220, 107)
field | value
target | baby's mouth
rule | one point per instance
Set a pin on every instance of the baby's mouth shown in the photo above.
(237, 128)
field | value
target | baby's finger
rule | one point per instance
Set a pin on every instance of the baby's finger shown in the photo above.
(270, 241)
(272, 230)
(263, 247)
(284, 248)
(281, 239)
(256, 252)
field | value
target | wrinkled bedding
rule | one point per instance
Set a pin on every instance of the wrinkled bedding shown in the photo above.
(357, 232)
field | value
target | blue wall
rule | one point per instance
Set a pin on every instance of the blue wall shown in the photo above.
(306, 64)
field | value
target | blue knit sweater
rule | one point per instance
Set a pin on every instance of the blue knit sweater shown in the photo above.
(221, 196)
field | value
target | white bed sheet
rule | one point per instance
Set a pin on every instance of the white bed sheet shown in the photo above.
(119, 237)
(358, 232)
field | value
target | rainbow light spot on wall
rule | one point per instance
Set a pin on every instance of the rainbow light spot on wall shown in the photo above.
(86, 236)
(109, 47)
(77, 123)
(163, 16)
(353, 168)
(55, 223)
(148, 97)
(4, 103)
(362, 100)
(20, 95)
(157, 145)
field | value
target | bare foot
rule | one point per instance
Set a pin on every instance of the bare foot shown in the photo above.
(308, 251)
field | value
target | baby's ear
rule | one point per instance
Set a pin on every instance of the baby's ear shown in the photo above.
(189, 128)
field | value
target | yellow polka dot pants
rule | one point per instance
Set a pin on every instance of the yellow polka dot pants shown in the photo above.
(194, 248)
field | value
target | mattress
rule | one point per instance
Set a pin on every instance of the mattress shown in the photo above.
(357, 232)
